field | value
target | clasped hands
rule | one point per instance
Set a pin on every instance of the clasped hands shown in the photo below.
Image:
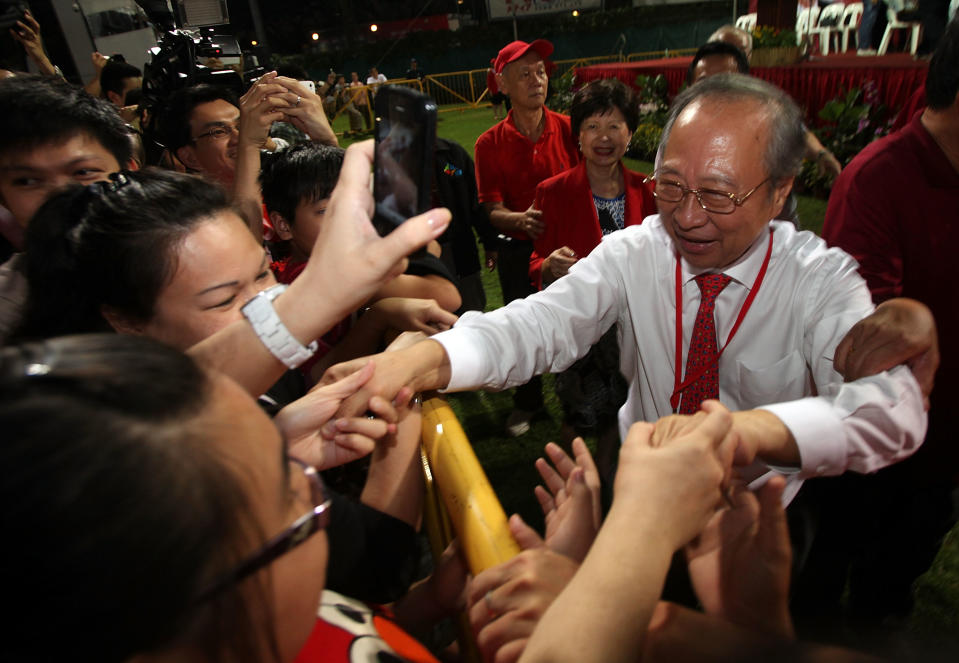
(674, 483)
(276, 98)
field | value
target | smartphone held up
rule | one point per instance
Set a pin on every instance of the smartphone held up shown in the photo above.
(403, 164)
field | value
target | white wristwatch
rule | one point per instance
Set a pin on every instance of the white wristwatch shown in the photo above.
(271, 330)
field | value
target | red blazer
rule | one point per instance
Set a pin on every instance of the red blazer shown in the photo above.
(570, 215)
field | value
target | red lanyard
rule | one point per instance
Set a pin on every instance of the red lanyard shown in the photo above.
(679, 388)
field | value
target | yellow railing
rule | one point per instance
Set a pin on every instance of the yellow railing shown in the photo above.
(474, 511)
(460, 502)
(563, 66)
(458, 89)
(656, 55)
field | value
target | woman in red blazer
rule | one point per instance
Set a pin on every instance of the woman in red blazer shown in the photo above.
(579, 206)
(598, 196)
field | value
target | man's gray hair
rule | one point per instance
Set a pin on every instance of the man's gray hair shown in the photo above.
(787, 134)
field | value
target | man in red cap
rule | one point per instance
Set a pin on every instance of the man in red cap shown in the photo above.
(532, 144)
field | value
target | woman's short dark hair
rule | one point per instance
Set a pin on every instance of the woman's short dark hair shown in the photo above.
(305, 172)
(110, 245)
(116, 510)
(601, 97)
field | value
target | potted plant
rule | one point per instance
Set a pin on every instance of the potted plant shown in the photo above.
(774, 47)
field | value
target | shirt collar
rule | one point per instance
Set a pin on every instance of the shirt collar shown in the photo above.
(547, 124)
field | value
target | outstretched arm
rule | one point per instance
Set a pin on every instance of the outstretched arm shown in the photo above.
(257, 115)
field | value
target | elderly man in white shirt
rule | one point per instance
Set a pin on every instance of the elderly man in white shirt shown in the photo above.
(778, 304)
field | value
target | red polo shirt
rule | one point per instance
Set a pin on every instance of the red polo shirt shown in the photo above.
(895, 208)
(509, 165)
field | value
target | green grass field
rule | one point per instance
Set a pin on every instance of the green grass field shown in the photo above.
(509, 461)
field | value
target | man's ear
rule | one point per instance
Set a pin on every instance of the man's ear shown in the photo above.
(281, 226)
(115, 98)
(187, 156)
(781, 190)
(121, 324)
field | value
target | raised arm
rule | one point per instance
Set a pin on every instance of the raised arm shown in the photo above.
(349, 263)
(257, 115)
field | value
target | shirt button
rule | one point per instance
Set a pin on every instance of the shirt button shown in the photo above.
(821, 469)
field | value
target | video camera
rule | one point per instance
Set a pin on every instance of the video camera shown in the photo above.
(177, 63)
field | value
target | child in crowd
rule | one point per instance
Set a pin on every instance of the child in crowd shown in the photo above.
(296, 190)
(296, 186)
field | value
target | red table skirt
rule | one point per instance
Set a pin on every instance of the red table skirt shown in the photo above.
(811, 83)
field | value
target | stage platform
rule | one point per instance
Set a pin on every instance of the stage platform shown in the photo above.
(811, 83)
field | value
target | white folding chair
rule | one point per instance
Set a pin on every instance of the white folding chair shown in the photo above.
(803, 19)
(747, 22)
(828, 25)
(850, 23)
(895, 24)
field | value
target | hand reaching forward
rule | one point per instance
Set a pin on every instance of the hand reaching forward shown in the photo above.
(571, 505)
(301, 423)
(506, 601)
(899, 331)
(739, 565)
(678, 484)
(410, 314)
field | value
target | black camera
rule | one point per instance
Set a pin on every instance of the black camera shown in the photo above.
(176, 64)
(10, 13)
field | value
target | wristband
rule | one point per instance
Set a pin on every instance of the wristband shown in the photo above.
(271, 330)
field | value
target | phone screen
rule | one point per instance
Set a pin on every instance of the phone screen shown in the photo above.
(405, 134)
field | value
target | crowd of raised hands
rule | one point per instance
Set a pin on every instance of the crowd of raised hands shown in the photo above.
(590, 591)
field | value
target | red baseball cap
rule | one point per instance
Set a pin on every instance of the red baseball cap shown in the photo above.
(517, 49)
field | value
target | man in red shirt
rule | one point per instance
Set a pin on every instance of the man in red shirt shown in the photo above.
(895, 208)
(532, 144)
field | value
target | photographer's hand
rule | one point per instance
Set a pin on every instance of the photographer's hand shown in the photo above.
(27, 32)
(304, 110)
(258, 113)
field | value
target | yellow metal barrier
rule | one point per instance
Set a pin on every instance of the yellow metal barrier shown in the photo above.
(457, 89)
(460, 501)
(563, 66)
(656, 55)
(477, 517)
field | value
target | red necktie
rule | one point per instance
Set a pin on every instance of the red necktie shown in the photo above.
(702, 346)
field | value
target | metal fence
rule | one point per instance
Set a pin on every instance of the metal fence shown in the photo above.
(457, 89)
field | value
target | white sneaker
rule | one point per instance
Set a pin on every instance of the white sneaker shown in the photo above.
(517, 423)
(866, 51)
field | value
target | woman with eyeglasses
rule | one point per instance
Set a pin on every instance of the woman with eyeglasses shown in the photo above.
(152, 512)
(580, 206)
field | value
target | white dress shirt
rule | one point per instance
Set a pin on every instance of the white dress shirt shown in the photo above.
(780, 358)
